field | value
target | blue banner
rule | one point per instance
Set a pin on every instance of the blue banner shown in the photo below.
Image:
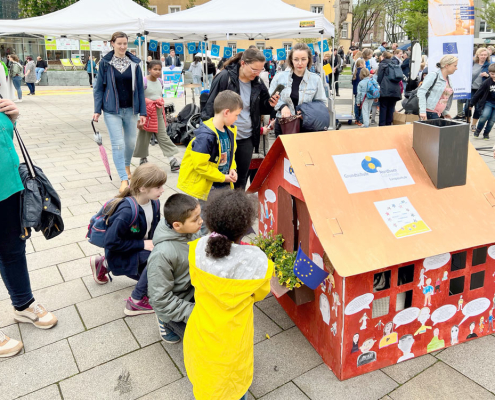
(227, 52)
(153, 46)
(202, 46)
(307, 271)
(241, 50)
(312, 47)
(139, 40)
(191, 48)
(179, 48)
(281, 54)
(165, 48)
(325, 46)
(268, 54)
(215, 50)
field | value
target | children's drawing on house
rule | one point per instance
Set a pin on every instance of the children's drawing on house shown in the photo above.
(436, 343)
(454, 335)
(482, 325)
(424, 315)
(325, 308)
(471, 335)
(336, 302)
(428, 291)
(379, 324)
(422, 278)
(445, 276)
(367, 355)
(405, 345)
(272, 218)
(389, 336)
(355, 343)
(460, 303)
(437, 285)
(334, 328)
(363, 321)
(490, 320)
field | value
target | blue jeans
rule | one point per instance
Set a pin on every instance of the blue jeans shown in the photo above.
(141, 288)
(367, 103)
(176, 327)
(13, 266)
(357, 113)
(16, 80)
(432, 115)
(488, 118)
(39, 71)
(122, 144)
(197, 79)
(31, 87)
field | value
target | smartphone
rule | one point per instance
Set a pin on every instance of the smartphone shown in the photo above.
(278, 89)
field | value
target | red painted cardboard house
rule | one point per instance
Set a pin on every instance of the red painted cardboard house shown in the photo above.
(414, 265)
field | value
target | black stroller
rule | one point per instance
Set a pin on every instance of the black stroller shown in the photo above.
(181, 131)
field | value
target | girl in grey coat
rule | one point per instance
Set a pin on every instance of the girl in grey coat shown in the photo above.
(30, 75)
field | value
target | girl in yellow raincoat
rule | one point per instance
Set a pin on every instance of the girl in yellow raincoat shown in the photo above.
(228, 278)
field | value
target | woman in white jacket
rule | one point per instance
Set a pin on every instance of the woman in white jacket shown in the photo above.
(196, 69)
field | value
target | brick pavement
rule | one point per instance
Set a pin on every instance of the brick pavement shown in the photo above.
(95, 352)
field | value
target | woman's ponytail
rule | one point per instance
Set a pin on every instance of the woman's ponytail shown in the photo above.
(438, 65)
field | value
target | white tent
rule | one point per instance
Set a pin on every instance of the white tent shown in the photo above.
(98, 18)
(239, 20)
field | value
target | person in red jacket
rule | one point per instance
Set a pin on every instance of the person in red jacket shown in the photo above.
(155, 120)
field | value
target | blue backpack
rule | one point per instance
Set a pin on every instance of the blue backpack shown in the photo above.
(372, 90)
(98, 224)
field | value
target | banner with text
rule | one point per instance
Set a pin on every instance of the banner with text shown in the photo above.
(451, 31)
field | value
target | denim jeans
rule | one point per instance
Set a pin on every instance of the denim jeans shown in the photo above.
(122, 130)
(141, 288)
(210, 80)
(367, 103)
(39, 71)
(31, 87)
(176, 327)
(488, 118)
(197, 79)
(13, 266)
(16, 80)
(432, 115)
(357, 113)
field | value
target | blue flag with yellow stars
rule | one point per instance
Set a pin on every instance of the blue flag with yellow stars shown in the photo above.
(450, 48)
(307, 271)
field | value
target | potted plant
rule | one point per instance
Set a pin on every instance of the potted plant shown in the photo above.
(284, 279)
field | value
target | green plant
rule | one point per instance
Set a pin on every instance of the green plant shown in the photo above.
(282, 259)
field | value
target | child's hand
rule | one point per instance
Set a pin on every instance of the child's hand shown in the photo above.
(233, 175)
(148, 245)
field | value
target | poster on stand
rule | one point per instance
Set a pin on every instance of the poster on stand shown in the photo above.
(97, 45)
(451, 31)
(50, 43)
(173, 82)
(67, 44)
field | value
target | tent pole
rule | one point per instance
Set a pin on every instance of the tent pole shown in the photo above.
(146, 55)
(333, 76)
(207, 86)
(91, 58)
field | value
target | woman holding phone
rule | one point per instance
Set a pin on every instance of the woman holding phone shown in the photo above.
(300, 85)
(241, 75)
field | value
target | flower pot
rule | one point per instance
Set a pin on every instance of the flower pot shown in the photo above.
(301, 295)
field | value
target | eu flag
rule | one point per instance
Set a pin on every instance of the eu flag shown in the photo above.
(450, 48)
(215, 50)
(227, 52)
(153, 46)
(191, 48)
(241, 50)
(281, 54)
(307, 271)
(179, 48)
(165, 47)
(311, 46)
(268, 54)
(325, 46)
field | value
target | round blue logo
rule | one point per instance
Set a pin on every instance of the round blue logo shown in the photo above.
(370, 164)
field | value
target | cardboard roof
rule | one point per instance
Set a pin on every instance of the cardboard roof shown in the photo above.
(459, 217)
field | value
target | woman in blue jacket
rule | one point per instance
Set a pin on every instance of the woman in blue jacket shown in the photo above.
(119, 91)
(89, 64)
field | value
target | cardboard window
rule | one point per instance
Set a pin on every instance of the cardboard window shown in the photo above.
(477, 280)
(456, 286)
(285, 223)
(381, 281)
(304, 224)
(406, 275)
(380, 307)
(479, 256)
(403, 300)
(458, 261)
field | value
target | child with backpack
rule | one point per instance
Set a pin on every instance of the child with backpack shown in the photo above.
(155, 120)
(355, 82)
(125, 228)
(228, 279)
(368, 92)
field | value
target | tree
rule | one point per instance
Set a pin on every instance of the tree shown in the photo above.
(487, 13)
(393, 19)
(35, 8)
(415, 14)
(365, 15)
(191, 4)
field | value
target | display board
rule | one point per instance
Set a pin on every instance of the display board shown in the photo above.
(173, 82)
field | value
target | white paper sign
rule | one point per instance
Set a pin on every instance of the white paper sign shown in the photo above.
(401, 217)
(373, 170)
(67, 44)
(289, 174)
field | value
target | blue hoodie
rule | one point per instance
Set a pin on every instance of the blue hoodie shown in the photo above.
(105, 92)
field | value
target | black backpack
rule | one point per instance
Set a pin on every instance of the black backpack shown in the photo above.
(394, 73)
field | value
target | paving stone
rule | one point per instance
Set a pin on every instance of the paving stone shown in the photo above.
(263, 326)
(101, 196)
(176, 353)
(274, 310)
(181, 389)
(49, 393)
(39, 368)
(29, 247)
(406, 370)
(140, 372)
(440, 382)
(103, 309)
(98, 175)
(118, 283)
(57, 255)
(144, 328)
(474, 359)
(290, 352)
(69, 324)
(88, 248)
(12, 331)
(75, 269)
(40, 278)
(318, 383)
(64, 194)
(78, 221)
(73, 201)
(80, 183)
(102, 344)
(67, 237)
(102, 187)
(92, 208)
(62, 295)
(286, 392)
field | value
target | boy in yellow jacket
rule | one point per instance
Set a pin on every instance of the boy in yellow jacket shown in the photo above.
(209, 159)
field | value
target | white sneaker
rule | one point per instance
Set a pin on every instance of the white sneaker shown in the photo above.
(9, 347)
(38, 81)
(36, 315)
(18, 101)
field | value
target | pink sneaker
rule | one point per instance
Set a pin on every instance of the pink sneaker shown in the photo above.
(99, 269)
(141, 307)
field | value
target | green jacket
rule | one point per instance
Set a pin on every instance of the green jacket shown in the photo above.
(9, 164)
(169, 284)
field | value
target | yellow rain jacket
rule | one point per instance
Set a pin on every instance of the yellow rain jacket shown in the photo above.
(199, 167)
(218, 342)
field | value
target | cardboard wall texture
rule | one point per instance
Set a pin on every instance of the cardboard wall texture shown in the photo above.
(404, 285)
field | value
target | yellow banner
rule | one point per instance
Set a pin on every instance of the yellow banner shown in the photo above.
(50, 43)
(307, 24)
(84, 45)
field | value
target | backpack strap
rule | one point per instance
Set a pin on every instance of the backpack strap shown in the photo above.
(134, 207)
(145, 83)
(161, 81)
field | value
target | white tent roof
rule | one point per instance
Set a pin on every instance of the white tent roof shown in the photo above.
(98, 18)
(240, 19)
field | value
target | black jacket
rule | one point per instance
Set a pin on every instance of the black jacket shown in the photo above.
(387, 87)
(41, 64)
(406, 67)
(228, 79)
(168, 61)
(481, 96)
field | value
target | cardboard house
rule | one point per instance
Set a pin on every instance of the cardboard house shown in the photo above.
(414, 265)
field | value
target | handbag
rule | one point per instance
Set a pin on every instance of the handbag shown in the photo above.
(411, 104)
(290, 124)
(40, 203)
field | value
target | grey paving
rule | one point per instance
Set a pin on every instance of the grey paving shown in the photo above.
(49, 393)
(117, 283)
(101, 344)
(144, 328)
(40, 279)
(404, 371)
(12, 331)
(274, 310)
(181, 389)
(58, 255)
(75, 269)
(176, 353)
(286, 392)
(263, 326)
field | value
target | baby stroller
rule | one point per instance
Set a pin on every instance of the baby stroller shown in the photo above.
(181, 131)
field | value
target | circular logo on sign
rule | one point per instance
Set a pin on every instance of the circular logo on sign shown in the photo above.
(370, 164)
